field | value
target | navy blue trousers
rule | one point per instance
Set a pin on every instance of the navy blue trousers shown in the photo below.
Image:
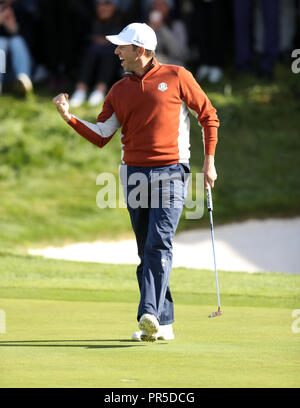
(155, 198)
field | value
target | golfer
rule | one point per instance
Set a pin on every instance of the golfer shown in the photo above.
(151, 105)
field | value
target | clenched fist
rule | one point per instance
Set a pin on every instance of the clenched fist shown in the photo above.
(62, 105)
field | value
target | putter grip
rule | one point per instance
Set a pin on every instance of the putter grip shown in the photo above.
(209, 199)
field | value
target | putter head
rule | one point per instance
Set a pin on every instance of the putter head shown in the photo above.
(215, 314)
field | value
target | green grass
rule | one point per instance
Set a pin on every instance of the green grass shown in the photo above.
(48, 178)
(48, 172)
(68, 324)
(39, 278)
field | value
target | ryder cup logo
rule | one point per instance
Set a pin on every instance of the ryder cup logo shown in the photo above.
(162, 86)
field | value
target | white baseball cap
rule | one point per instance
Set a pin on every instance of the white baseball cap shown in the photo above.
(139, 34)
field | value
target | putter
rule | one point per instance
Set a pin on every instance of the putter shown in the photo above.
(210, 211)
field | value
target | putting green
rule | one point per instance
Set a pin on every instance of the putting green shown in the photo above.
(69, 324)
(87, 344)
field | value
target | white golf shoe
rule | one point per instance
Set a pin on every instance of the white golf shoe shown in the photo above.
(142, 336)
(165, 332)
(149, 326)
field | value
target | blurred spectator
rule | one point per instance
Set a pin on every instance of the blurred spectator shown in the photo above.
(28, 17)
(209, 17)
(243, 17)
(27, 13)
(130, 10)
(14, 45)
(145, 6)
(61, 37)
(172, 35)
(287, 29)
(99, 63)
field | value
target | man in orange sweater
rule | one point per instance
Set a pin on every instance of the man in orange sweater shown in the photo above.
(151, 105)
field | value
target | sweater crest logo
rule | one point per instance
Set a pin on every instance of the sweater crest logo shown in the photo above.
(162, 86)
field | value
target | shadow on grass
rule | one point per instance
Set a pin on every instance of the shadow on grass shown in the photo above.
(32, 343)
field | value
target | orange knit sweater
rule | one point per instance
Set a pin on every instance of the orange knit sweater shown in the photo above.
(153, 114)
